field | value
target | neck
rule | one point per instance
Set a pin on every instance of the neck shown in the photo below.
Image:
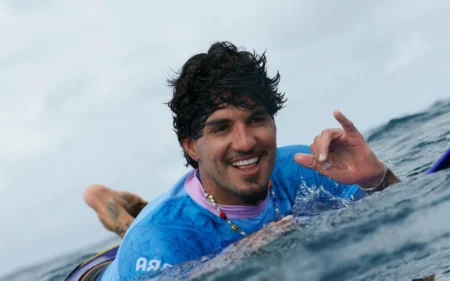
(224, 196)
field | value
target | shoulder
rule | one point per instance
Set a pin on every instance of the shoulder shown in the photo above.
(175, 196)
(168, 211)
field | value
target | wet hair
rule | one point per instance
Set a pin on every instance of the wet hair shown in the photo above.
(210, 81)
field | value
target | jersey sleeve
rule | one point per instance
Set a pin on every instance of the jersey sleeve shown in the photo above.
(148, 250)
(293, 177)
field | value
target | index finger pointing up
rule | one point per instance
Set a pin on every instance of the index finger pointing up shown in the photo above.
(346, 124)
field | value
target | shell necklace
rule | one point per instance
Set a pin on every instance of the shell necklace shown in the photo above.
(222, 214)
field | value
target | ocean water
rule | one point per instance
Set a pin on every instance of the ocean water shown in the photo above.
(398, 234)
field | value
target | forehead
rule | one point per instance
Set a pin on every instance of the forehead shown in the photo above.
(232, 112)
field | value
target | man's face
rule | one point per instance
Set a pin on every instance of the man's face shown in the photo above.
(236, 153)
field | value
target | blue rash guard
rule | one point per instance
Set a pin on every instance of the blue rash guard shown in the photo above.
(181, 225)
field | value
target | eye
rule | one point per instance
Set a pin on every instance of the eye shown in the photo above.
(220, 129)
(258, 119)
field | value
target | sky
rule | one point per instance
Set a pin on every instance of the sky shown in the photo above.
(83, 87)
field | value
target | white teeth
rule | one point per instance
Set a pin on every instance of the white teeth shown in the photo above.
(245, 162)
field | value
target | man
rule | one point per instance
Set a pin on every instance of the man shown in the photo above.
(223, 114)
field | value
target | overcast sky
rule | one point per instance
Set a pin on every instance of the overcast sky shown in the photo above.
(82, 87)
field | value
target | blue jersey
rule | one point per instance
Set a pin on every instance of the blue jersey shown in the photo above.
(179, 226)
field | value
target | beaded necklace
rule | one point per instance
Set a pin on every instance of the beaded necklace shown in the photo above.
(222, 214)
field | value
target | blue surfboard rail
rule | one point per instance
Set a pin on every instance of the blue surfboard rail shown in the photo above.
(441, 164)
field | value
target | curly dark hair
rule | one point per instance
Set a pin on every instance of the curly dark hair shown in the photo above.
(221, 77)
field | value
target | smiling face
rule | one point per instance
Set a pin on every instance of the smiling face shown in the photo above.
(235, 154)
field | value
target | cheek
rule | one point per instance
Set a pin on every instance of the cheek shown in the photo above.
(213, 150)
(269, 138)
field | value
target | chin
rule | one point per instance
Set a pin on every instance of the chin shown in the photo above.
(253, 188)
(254, 197)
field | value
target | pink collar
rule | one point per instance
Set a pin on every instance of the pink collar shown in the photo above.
(195, 190)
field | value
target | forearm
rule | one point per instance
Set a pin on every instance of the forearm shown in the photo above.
(132, 203)
(116, 218)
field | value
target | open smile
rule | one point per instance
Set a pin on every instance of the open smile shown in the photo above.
(247, 167)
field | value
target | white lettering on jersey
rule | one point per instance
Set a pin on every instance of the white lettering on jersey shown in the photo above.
(166, 265)
(152, 265)
(141, 264)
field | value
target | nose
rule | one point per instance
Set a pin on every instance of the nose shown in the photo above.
(243, 139)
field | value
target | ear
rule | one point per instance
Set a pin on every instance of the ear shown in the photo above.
(190, 146)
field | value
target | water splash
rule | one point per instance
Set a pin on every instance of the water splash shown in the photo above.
(316, 200)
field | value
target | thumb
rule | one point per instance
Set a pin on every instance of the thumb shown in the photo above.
(304, 159)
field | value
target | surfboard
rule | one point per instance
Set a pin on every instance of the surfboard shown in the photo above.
(441, 164)
(90, 269)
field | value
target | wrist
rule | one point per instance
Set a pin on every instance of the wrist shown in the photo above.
(374, 182)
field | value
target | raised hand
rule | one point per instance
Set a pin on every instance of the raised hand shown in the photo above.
(344, 156)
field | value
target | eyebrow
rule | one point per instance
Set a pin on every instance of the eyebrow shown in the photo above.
(217, 122)
(221, 121)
